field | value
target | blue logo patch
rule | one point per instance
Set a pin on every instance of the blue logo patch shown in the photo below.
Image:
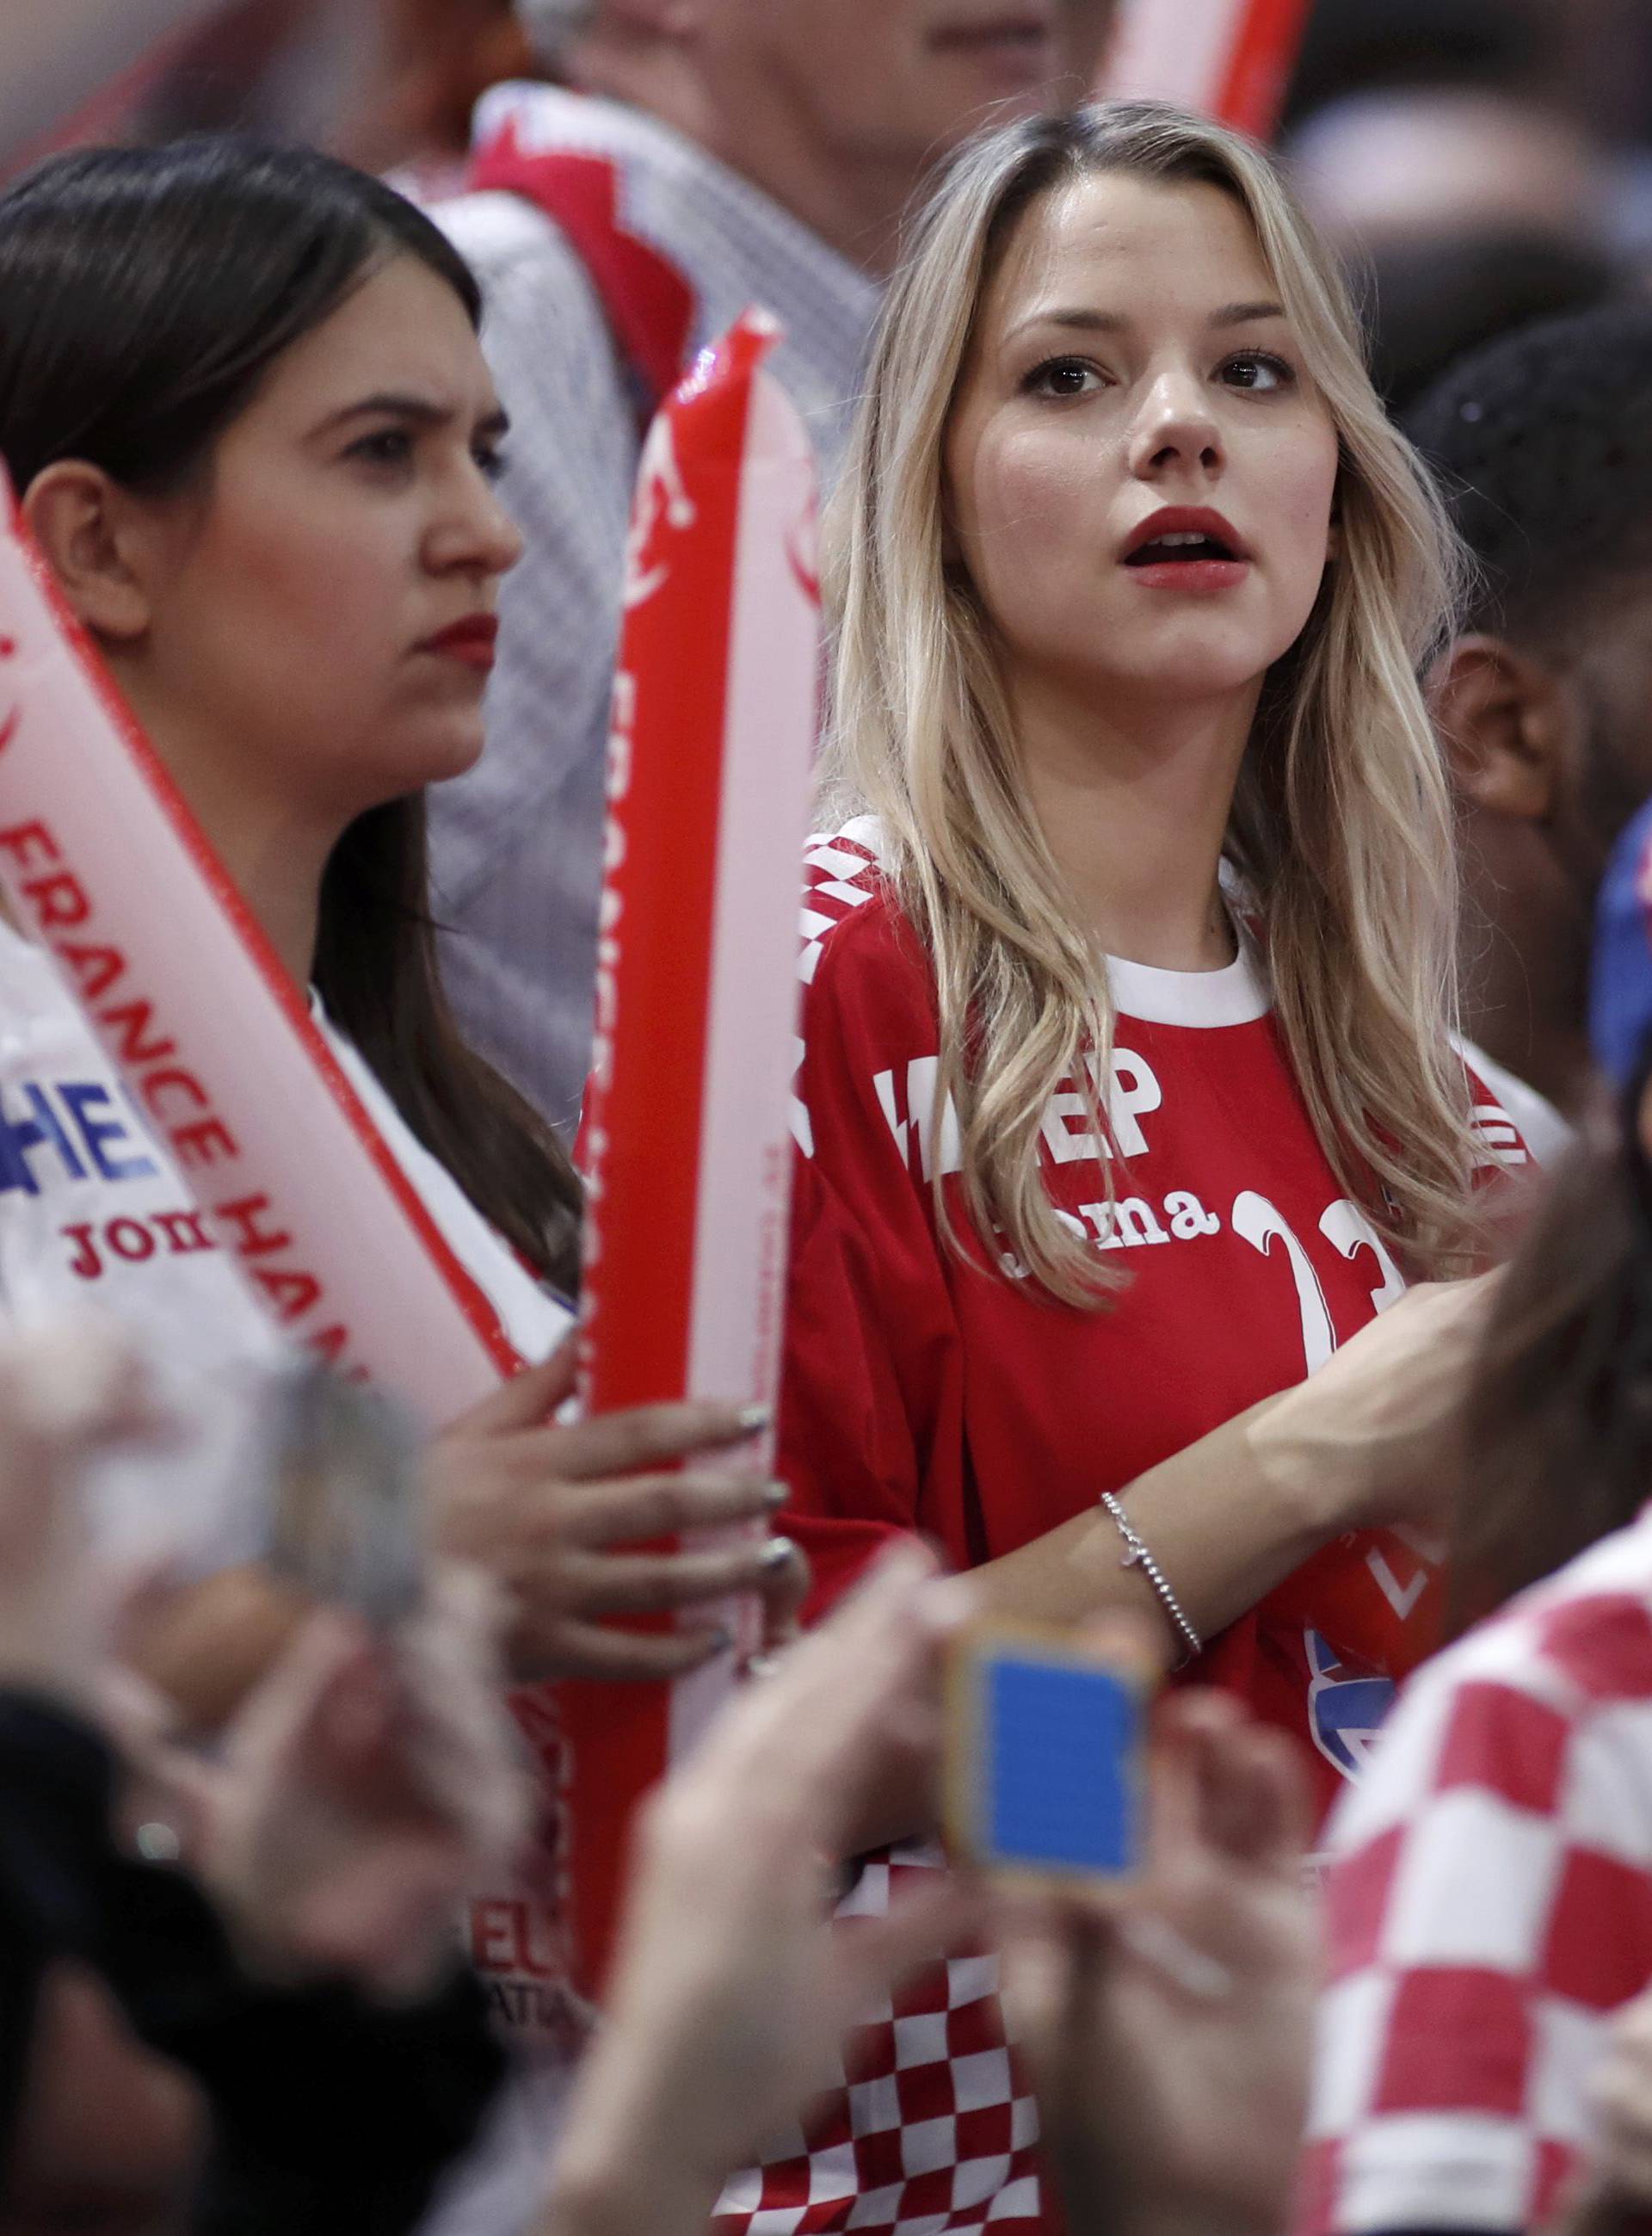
(1344, 1713)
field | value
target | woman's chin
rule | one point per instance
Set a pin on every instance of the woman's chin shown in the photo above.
(442, 754)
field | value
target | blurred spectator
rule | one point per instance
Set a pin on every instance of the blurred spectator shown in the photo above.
(740, 151)
(1544, 444)
(1592, 58)
(1352, 46)
(317, 1996)
(284, 68)
(1431, 301)
(1489, 1896)
(1429, 161)
(435, 60)
(1464, 214)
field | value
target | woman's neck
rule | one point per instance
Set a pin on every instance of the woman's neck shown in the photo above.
(1134, 803)
(274, 851)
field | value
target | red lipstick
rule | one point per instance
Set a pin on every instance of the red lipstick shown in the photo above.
(471, 641)
(1185, 547)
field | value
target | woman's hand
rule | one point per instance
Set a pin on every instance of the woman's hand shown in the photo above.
(364, 1788)
(1169, 2038)
(1375, 1438)
(717, 2036)
(555, 1514)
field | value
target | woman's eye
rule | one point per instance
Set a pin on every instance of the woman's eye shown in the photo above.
(490, 460)
(1258, 370)
(390, 446)
(1062, 376)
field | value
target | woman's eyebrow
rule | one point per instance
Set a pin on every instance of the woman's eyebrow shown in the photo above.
(1080, 320)
(1241, 314)
(423, 411)
(391, 403)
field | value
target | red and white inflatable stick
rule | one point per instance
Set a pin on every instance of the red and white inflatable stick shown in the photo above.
(685, 1141)
(1229, 59)
(103, 863)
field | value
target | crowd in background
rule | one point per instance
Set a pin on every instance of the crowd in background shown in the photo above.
(1383, 1971)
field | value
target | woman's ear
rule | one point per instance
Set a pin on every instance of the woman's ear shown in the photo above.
(80, 518)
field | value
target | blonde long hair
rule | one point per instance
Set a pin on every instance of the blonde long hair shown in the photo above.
(1341, 826)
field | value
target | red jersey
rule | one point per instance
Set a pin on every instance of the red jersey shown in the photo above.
(925, 1392)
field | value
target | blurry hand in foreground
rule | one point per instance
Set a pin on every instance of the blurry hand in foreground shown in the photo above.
(1614, 2197)
(1169, 2038)
(719, 2032)
(365, 1787)
(1167, 2029)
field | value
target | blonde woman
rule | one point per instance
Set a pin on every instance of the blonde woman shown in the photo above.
(1127, 1095)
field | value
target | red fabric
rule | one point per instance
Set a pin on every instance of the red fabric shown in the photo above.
(1520, 1762)
(1439, 2013)
(646, 301)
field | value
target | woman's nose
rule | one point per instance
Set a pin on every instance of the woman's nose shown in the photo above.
(1175, 425)
(476, 532)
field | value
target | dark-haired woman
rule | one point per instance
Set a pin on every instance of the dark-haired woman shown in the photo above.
(243, 403)
(1490, 1897)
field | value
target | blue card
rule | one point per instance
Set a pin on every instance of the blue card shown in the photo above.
(1057, 1777)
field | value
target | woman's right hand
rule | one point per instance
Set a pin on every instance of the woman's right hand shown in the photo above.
(1374, 1439)
(557, 1514)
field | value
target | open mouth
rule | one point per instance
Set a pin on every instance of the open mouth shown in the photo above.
(1182, 547)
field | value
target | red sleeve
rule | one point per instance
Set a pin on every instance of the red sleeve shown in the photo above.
(870, 1406)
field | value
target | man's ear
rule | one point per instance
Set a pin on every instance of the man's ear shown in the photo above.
(79, 517)
(1507, 724)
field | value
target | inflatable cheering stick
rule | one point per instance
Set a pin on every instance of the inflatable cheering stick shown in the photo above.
(686, 1142)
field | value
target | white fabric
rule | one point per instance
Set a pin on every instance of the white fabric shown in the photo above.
(95, 1215)
(516, 843)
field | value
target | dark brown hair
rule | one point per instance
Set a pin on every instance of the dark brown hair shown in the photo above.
(1559, 1413)
(144, 293)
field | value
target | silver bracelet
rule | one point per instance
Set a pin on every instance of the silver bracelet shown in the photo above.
(1137, 1556)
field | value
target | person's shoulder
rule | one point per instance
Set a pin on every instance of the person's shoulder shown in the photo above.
(868, 992)
(498, 233)
(854, 927)
(1501, 1100)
